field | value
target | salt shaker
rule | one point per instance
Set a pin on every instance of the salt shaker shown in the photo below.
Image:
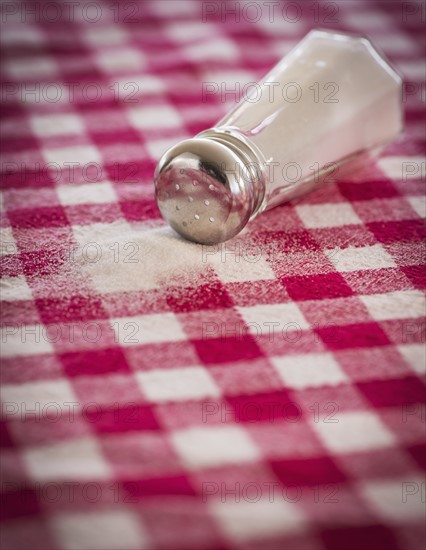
(331, 101)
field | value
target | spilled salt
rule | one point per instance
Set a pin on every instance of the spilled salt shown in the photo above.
(131, 258)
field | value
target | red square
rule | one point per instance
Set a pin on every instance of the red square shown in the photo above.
(6, 440)
(96, 362)
(371, 537)
(353, 336)
(416, 274)
(227, 350)
(204, 296)
(18, 503)
(173, 485)
(286, 241)
(308, 471)
(70, 308)
(42, 263)
(128, 417)
(390, 232)
(38, 217)
(418, 453)
(365, 191)
(393, 393)
(316, 287)
(25, 177)
(264, 407)
(135, 211)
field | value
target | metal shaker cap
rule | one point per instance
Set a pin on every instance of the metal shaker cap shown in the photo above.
(204, 190)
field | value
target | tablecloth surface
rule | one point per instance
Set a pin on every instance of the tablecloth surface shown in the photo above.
(267, 393)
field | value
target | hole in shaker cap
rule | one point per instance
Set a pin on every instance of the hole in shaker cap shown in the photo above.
(196, 216)
(206, 202)
(177, 186)
(211, 219)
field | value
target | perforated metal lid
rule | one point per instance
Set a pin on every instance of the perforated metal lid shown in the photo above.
(203, 190)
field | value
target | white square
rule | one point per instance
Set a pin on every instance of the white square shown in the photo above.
(246, 521)
(327, 215)
(190, 31)
(309, 370)
(273, 320)
(238, 264)
(72, 459)
(43, 397)
(80, 154)
(121, 60)
(358, 259)
(401, 304)
(157, 147)
(398, 44)
(101, 233)
(404, 168)
(415, 355)
(92, 530)
(147, 329)
(132, 87)
(180, 9)
(14, 288)
(154, 117)
(31, 67)
(7, 242)
(355, 431)
(396, 501)
(177, 384)
(228, 79)
(21, 34)
(220, 49)
(120, 259)
(56, 124)
(112, 35)
(28, 339)
(418, 204)
(208, 447)
(88, 193)
(413, 69)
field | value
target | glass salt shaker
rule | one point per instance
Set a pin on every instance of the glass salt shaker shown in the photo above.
(331, 102)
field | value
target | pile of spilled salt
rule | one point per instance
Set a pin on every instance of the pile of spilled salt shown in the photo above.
(119, 258)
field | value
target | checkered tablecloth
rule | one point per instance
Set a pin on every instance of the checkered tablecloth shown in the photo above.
(266, 393)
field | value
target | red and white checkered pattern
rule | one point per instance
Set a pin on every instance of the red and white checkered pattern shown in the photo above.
(267, 393)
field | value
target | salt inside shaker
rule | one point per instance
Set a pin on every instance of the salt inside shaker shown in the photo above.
(332, 100)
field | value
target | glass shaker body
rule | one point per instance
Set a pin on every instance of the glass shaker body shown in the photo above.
(330, 101)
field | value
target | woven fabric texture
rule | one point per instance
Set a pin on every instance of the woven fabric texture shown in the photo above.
(266, 393)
